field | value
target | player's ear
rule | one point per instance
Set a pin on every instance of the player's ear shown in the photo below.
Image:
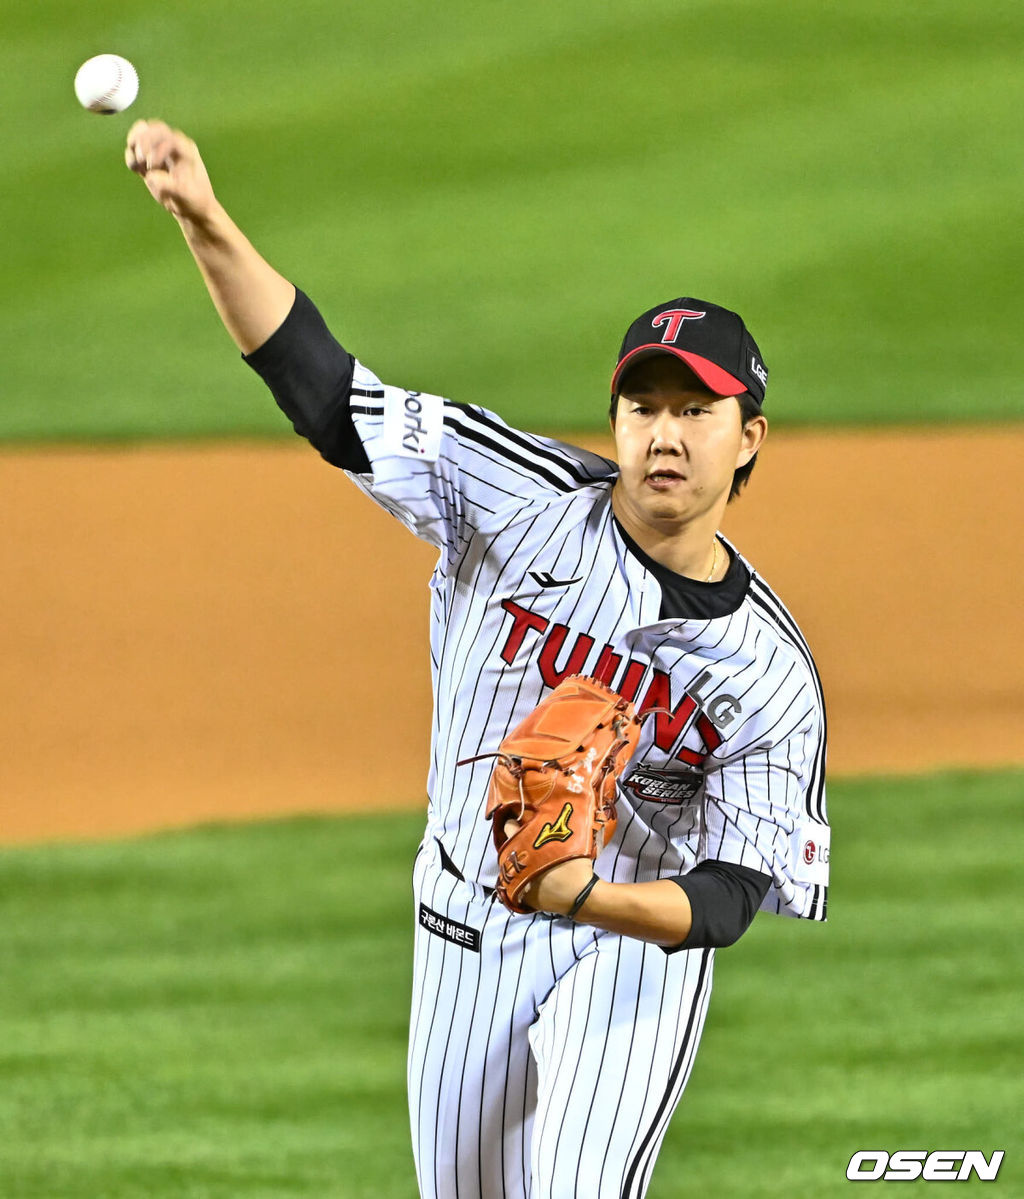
(752, 438)
(612, 409)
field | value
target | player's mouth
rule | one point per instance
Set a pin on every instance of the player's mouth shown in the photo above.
(664, 480)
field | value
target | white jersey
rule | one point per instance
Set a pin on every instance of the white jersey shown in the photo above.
(535, 581)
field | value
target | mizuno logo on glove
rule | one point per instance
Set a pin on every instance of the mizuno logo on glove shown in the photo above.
(559, 831)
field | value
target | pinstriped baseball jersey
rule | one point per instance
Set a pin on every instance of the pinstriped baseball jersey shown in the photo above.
(536, 581)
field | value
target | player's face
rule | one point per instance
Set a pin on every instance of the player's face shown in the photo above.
(678, 445)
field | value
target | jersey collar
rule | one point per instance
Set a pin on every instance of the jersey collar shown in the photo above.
(683, 598)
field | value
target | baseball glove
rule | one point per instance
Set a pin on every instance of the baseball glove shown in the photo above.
(555, 774)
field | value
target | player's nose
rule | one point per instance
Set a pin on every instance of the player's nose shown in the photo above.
(666, 435)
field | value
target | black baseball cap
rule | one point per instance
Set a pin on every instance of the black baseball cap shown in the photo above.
(712, 341)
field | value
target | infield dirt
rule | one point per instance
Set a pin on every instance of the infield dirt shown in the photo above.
(233, 631)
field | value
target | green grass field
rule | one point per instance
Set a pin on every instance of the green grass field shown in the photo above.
(221, 1013)
(481, 197)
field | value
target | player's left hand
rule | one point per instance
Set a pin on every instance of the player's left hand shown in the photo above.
(556, 889)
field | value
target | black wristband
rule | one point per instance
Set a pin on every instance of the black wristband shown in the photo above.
(582, 898)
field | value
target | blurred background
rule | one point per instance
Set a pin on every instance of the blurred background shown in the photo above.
(196, 610)
(481, 195)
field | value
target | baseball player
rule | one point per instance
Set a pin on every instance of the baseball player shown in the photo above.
(549, 1050)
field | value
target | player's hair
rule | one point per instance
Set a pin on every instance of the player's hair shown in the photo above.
(749, 408)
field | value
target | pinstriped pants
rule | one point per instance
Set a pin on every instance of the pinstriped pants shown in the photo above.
(545, 1058)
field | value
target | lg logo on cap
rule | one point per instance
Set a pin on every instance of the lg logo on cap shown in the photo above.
(758, 371)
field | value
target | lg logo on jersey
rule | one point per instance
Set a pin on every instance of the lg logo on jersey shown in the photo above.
(723, 709)
(941, 1165)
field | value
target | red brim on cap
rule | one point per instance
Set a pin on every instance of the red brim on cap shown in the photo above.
(712, 376)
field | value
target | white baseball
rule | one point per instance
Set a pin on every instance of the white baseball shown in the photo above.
(107, 83)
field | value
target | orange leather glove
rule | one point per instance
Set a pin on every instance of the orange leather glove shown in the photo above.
(555, 775)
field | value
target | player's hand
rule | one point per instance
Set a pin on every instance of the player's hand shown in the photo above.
(556, 889)
(172, 170)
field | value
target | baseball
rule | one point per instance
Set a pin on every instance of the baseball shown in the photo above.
(107, 83)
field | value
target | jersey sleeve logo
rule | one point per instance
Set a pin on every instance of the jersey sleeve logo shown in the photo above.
(559, 831)
(812, 853)
(413, 424)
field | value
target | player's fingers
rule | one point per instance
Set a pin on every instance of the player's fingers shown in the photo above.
(153, 144)
(139, 146)
(161, 154)
(148, 126)
(136, 156)
(137, 127)
(152, 141)
(134, 147)
(170, 151)
(511, 828)
(137, 130)
(141, 131)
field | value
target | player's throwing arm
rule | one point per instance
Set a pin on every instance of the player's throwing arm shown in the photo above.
(251, 297)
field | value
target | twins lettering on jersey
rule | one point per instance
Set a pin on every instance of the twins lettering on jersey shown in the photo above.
(672, 720)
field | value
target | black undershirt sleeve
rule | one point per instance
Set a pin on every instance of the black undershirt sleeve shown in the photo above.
(310, 376)
(724, 899)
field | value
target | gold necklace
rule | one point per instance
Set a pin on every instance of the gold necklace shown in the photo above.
(714, 563)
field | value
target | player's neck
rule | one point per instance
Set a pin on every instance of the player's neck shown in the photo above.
(687, 549)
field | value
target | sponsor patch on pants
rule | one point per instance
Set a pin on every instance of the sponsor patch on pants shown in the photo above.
(451, 930)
